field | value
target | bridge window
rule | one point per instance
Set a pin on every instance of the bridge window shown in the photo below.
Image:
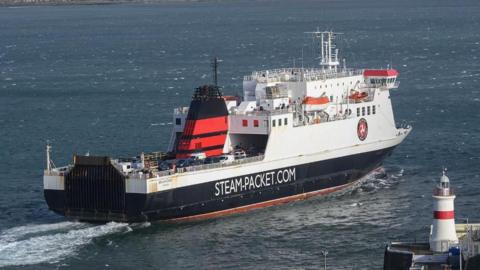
(255, 123)
(245, 123)
(363, 111)
(279, 122)
(373, 109)
(368, 110)
(358, 112)
(273, 123)
(285, 122)
(178, 121)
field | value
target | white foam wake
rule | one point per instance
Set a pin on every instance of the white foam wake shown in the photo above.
(19, 232)
(381, 179)
(49, 243)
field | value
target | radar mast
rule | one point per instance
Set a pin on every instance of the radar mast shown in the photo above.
(328, 48)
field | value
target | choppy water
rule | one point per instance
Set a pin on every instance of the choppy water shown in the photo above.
(105, 79)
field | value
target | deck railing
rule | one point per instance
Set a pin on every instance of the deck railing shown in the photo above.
(200, 167)
(264, 112)
(180, 110)
(224, 164)
(300, 74)
(58, 171)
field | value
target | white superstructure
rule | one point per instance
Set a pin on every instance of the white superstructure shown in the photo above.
(273, 117)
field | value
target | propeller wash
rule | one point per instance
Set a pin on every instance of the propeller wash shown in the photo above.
(297, 132)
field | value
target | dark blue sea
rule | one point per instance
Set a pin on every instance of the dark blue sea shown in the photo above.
(104, 79)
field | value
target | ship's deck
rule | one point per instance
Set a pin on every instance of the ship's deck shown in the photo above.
(418, 248)
(206, 166)
(301, 74)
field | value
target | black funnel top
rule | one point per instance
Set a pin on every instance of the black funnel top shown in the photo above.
(206, 92)
(207, 102)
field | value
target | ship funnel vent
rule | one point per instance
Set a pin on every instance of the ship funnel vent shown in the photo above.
(206, 92)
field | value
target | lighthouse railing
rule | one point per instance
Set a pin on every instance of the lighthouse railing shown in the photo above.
(443, 192)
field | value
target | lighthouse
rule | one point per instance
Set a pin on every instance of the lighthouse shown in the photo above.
(443, 234)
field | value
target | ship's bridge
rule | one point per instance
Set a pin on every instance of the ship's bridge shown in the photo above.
(381, 78)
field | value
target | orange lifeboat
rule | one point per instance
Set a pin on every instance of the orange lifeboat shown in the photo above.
(316, 103)
(358, 96)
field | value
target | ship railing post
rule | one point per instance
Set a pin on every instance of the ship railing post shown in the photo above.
(325, 253)
(460, 257)
(49, 163)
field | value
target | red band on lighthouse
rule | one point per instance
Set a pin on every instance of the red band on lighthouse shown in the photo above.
(443, 214)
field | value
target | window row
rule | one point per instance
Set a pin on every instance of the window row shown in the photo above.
(274, 122)
(331, 85)
(245, 123)
(369, 110)
(383, 81)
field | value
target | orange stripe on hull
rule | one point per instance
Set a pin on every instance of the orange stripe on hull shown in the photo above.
(246, 208)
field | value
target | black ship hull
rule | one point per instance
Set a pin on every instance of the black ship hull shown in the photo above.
(82, 201)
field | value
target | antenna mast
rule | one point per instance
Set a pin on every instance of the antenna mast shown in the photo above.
(215, 71)
(328, 48)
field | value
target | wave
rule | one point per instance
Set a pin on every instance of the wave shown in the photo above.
(380, 179)
(19, 232)
(50, 243)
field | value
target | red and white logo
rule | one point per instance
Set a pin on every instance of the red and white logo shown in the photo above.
(362, 129)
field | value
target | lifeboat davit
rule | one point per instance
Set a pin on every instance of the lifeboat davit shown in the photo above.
(316, 103)
(358, 96)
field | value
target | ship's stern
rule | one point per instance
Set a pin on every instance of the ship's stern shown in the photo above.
(54, 189)
(92, 189)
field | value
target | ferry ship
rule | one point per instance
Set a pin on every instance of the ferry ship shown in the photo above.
(296, 133)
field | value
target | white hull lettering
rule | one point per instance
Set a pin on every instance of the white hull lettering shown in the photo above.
(257, 181)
